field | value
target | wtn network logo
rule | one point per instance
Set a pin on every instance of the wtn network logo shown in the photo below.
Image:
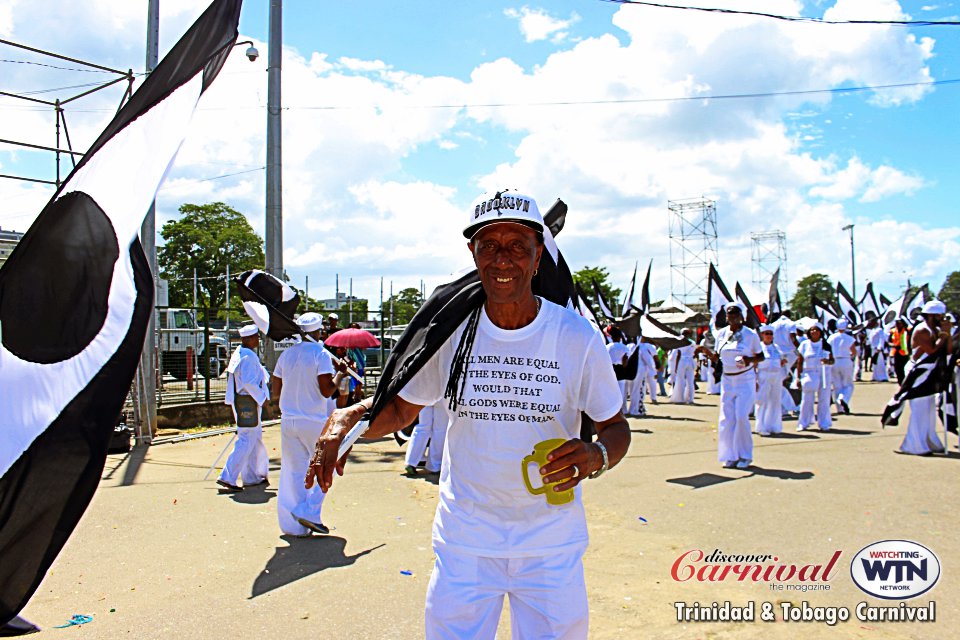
(895, 569)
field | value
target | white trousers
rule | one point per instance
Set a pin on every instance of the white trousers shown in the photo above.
(768, 413)
(248, 461)
(842, 378)
(422, 434)
(814, 392)
(298, 440)
(880, 368)
(548, 596)
(645, 381)
(682, 392)
(737, 396)
(922, 429)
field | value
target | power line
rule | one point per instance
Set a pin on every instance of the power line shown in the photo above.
(53, 66)
(892, 23)
(722, 96)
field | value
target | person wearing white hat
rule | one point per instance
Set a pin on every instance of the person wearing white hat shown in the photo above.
(928, 338)
(683, 368)
(518, 371)
(814, 356)
(619, 353)
(303, 380)
(769, 385)
(877, 337)
(844, 348)
(739, 351)
(246, 392)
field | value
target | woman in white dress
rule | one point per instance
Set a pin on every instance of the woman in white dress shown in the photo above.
(739, 350)
(814, 357)
(769, 385)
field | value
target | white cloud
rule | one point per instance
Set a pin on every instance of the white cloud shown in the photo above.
(537, 24)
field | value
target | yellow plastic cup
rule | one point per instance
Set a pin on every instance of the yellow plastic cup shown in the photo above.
(539, 456)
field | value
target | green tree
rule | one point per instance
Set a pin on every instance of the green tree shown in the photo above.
(815, 284)
(207, 238)
(585, 277)
(950, 292)
(405, 304)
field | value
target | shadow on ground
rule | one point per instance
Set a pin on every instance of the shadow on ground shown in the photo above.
(303, 557)
(703, 480)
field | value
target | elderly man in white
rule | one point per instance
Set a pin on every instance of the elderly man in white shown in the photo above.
(246, 393)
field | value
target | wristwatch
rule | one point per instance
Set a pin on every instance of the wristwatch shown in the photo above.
(606, 461)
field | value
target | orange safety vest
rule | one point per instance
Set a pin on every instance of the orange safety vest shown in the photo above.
(898, 342)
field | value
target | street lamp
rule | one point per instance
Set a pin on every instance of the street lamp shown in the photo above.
(853, 269)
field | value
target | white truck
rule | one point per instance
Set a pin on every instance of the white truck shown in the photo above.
(180, 334)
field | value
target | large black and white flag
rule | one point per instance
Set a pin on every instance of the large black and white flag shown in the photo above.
(628, 299)
(645, 291)
(717, 297)
(75, 298)
(848, 308)
(751, 318)
(912, 305)
(602, 303)
(774, 306)
(270, 303)
(824, 313)
(868, 306)
(582, 306)
(926, 378)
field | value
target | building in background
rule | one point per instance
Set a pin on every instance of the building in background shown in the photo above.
(8, 240)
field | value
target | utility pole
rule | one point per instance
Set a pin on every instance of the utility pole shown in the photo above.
(147, 376)
(853, 268)
(274, 222)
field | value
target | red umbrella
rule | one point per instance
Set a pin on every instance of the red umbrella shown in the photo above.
(352, 339)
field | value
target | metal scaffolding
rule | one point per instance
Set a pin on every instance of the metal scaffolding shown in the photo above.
(693, 246)
(769, 253)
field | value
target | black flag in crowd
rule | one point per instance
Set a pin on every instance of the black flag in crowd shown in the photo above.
(270, 303)
(774, 306)
(75, 298)
(628, 299)
(717, 297)
(848, 308)
(926, 378)
(450, 304)
(868, 306)
(645, 291)
(751, 319)
(601, 302)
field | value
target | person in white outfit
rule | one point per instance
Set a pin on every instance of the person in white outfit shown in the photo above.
(246, 387)
(739, 351)
(619, 353)
(707, 372)
(682, 360)
(878, 345)
(785, 338)
(928, 338)
(304, 380)
(844, 348)
(494, 539)
(431, 428)
(813, 359)
(769, 384)
(645, 381)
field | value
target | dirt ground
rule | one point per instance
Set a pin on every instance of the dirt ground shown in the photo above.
(161, 554)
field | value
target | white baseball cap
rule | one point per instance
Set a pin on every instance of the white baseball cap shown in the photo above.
(842, 324)
(310, 321)
(503, 206)
(332, 316)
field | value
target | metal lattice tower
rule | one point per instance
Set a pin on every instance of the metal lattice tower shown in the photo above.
(693, 246)
(769, 253)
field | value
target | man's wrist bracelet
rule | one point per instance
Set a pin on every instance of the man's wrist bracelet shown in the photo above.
(606, 461)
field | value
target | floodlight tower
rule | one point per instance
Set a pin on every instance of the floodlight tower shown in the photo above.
(692, 228)
(768, 254)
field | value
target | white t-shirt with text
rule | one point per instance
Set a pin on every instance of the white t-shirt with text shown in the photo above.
(523, 386)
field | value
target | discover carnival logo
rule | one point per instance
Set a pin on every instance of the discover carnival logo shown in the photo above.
(895, 569)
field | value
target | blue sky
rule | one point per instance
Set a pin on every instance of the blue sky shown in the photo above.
(381, 165)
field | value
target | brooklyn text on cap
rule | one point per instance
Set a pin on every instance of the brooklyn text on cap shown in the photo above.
(503, 206)
(248, 330)
(934, 307)
(310, 321)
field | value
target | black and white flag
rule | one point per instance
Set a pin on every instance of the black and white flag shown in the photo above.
(75, 298)
(924, 379)
(774, 306)
(270, 303)
(751, 318)
(602, 303)
(848, 308)
(717, 297)
(824, 313)
(628, 299)
(645, 291)
(868, 306)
